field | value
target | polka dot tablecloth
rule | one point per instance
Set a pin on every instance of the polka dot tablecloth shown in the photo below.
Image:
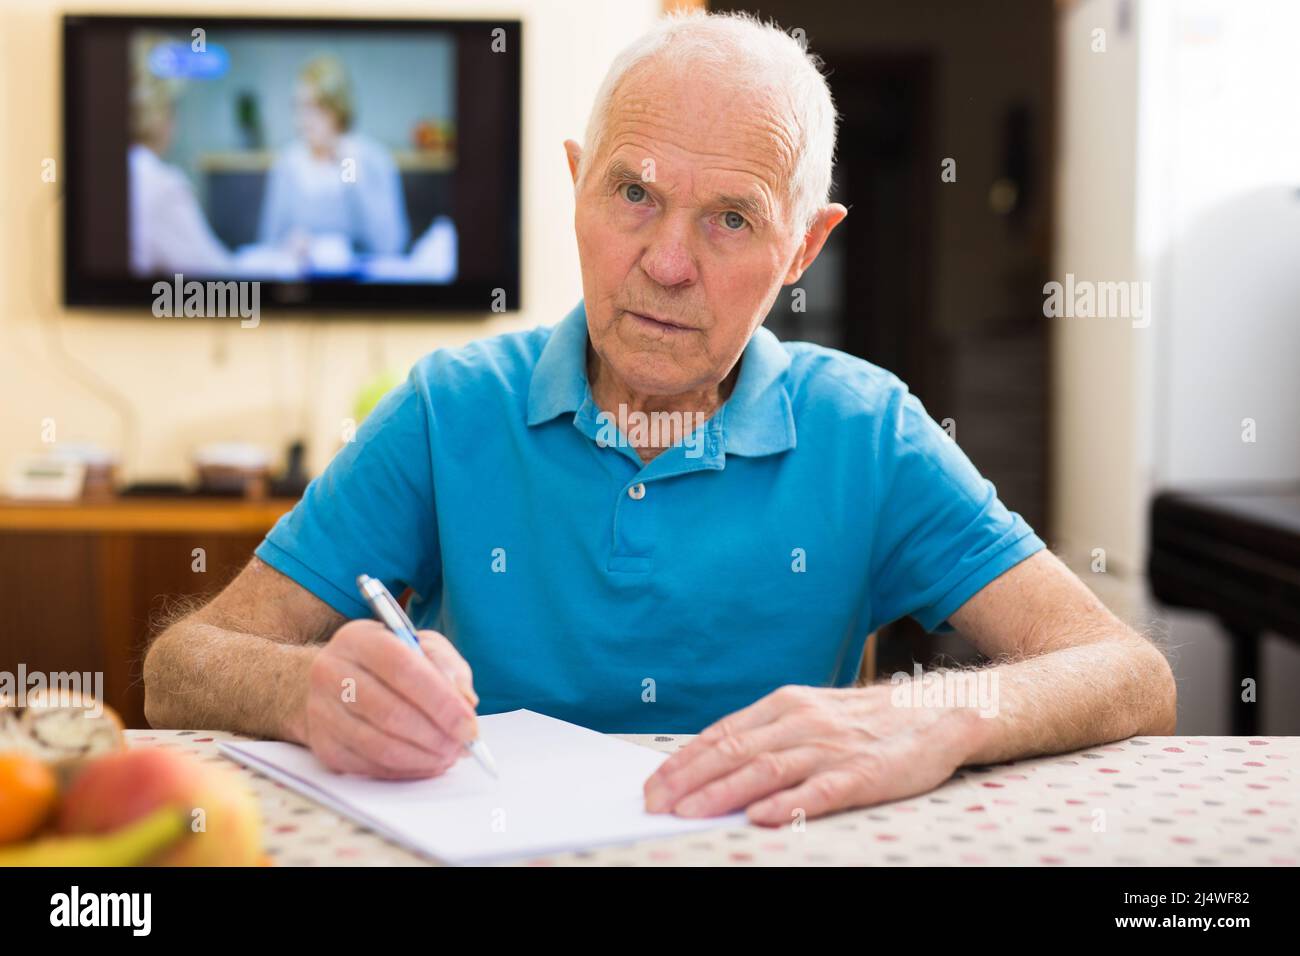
(1173, 801)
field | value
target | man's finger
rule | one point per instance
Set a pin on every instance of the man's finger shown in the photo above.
(444, 654)
(676, 778)
(392, 757)
(769, 772)
(389, 751)
(392, 714)
(335, 755)
(416, 678)
(822, 793)
(763, 711)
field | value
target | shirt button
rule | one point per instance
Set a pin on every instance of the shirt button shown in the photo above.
(636, 492)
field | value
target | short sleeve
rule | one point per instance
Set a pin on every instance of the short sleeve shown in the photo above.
(941, 531)
(370, 512)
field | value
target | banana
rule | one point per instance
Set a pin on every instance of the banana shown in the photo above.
(130, 845)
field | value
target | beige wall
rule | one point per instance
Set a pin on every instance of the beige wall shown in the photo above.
(156, 388)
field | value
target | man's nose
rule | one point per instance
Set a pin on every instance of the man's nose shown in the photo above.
(669, 260)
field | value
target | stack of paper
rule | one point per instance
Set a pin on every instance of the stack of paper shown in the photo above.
(561, 787)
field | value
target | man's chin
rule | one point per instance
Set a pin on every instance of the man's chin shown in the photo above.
(651, 371)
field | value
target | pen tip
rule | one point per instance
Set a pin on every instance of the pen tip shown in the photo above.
(484, 757)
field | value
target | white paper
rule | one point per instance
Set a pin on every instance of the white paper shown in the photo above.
(561, 787)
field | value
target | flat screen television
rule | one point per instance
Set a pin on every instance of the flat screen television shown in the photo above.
(341, 164)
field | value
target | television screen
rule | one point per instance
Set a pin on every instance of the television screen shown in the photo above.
(340, 164)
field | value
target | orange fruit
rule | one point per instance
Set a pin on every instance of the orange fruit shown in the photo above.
(28, 794)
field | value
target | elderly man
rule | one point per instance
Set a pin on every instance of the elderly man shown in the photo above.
(718, 573)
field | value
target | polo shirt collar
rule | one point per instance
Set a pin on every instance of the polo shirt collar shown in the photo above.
(559, 382)
(756, 419)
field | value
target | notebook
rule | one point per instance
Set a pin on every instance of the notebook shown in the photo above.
(561, 787)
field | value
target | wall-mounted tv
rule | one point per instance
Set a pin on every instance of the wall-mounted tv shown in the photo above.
(341, 164)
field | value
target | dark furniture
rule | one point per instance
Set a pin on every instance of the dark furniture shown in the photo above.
(81, 582)
(1233, 552)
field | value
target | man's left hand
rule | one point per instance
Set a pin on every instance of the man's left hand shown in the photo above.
(809, 751)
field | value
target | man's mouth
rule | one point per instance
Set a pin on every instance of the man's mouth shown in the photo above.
(656, 322)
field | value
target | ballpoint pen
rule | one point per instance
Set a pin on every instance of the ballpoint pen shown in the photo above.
(392, 616)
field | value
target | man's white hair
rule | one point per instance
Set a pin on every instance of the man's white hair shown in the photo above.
(752, 56)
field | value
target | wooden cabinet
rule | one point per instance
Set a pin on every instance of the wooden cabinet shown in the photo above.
(82, 584)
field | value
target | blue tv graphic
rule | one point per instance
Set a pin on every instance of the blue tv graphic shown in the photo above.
(179, 61)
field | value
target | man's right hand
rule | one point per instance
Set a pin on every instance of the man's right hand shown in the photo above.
(377, 707)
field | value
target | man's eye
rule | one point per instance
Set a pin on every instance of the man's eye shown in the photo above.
(733, 221)
(634, 192)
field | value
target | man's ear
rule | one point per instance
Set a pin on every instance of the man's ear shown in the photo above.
(574, 153)
(813, 241)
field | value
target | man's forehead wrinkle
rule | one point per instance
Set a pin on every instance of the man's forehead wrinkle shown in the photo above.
(631, 152)
(766, 109)
(647, 109)
(762, 149)
(758, 122)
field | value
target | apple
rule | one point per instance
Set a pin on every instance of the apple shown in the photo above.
(118, 789)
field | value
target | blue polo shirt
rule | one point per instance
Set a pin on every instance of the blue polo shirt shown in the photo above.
(822, 503)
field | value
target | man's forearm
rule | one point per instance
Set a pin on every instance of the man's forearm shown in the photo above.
(1073, 698)
(202, 676)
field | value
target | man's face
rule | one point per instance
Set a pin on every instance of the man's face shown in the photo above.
(684, 231)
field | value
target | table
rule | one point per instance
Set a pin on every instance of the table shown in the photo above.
(1173, 801)
(1234, 552)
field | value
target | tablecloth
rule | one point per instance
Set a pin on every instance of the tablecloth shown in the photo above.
(1172, 801)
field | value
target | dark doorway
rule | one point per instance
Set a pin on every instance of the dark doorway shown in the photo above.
(869, 293)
